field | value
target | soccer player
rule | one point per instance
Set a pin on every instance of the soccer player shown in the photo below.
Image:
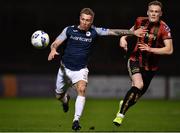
(73, 71)
(143, 59)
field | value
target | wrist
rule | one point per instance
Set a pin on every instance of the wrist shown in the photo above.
(53, 49)
(150, 49)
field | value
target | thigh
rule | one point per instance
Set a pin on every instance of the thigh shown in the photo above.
(60, 82)
(77, 76)
(135, 74)
(147, 77)
(133, 67)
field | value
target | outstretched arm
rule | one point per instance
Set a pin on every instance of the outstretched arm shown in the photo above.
(121, 32)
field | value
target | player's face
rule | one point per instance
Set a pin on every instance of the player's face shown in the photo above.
(85, 21)
(154, 13)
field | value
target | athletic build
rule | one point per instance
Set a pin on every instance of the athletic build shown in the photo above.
(143, 60)
(78, 46)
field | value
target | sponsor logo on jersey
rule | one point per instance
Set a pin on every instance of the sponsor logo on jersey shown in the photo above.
(77, 38)
(167, 28)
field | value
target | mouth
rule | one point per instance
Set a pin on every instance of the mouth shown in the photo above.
(153, 18)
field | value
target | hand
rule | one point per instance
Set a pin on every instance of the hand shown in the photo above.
(52, 54)
(123, 43)
(140, 32)
(144, 47)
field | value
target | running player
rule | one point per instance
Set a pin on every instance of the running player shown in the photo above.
(143, 60)
(73, 69)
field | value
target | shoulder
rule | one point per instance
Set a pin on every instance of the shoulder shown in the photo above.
(140, 19)
(165, 30)
(70, 28)
(100, 30)
(164, 26)
(94, 28)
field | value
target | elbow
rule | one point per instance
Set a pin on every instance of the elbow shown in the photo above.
(170, 52)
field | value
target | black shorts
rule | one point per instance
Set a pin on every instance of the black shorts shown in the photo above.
(133, 67)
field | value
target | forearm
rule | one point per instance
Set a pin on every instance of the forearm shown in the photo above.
(56, 44)
(161, 51)
(120, 32)
(167, 49)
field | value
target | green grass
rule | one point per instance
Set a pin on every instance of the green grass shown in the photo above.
(46, 115)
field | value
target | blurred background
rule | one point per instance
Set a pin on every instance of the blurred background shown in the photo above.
(25, 71)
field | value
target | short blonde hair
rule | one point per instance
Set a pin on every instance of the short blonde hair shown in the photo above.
(87, 11)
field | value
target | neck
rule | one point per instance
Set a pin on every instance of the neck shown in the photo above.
(79, 27)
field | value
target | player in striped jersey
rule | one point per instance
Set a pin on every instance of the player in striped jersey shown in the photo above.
(145, 54)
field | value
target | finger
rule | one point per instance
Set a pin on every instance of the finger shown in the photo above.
(140, 45)
(57, 53)
(49, 59)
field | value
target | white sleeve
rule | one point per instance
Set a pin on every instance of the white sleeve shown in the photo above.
(63, 35)
(102, 31)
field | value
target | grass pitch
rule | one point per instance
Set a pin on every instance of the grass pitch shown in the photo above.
(46, 115)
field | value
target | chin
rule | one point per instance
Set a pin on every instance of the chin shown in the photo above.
(152, 20)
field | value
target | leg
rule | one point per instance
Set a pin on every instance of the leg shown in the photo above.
(130, 98)
(133, 94)
(79, 104)
(140, 83)
(62, 85)
(147, 77)
(80, 100)
(79, 79)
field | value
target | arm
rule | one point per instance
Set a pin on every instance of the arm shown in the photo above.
(118, 32)
(166, 50)
(59, 40)
(139, 32)
(123, 43)
(54, 47)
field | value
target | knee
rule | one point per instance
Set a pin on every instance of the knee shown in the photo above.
(81, 89)
(139, 84)
(60, 92)
(59, 96)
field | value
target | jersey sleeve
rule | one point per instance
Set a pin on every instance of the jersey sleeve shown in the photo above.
(63, 35)
(137, 23)
(166, 32)
(101, 31)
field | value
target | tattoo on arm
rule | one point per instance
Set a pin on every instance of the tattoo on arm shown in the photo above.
(122, 32)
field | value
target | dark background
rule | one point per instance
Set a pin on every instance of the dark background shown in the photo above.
(19, 19)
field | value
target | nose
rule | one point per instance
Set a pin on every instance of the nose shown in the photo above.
(84, 22)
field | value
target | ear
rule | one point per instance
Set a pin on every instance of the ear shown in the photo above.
(148, 13)
(160, 14)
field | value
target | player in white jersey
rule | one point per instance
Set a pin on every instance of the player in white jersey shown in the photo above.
(73, 70)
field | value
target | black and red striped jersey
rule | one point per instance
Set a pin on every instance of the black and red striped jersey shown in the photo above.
(157, 33)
